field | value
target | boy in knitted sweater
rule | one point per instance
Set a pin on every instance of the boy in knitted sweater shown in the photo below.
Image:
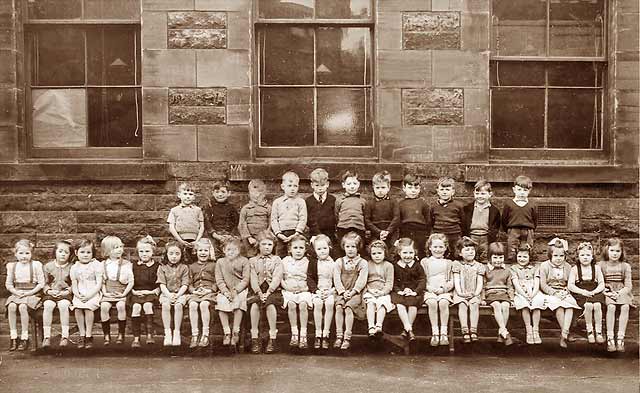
(349, 209)
(288, 213)
(447, 214)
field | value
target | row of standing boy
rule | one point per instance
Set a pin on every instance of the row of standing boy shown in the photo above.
(289, 211)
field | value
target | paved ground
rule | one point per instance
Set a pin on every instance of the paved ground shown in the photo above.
(519, 371)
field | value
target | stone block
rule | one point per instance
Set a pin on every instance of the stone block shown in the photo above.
(389, 107)
(49, 240)
(154, 30)
(8, 106)
(239, 106)
(404, 5)
(627, 151)
(628, 6)
(475, 5)
(197, 39)
(432, 107)
(610, 208)
(7, 38)
(460, 69)
(123, 217)
(460, 144)
(476, 107)
(627, 29)
(404, 68)
(198, 97)
(431, 30)
(224, 5)
(163, 68)
(447, 5)
(128, 233)
(433, 116)
(9, 145)
(475, 32)
(170, 143)
(223, 143)
(197, 20)
(197, 171)
(239, 31)
(413, 144)
(232, 68)
(132, 202)
(154, 105)
(197, 115)
(44, 202)
(389, 25)
(167, 5)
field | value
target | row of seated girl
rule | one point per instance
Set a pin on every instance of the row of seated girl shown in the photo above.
(340, 289)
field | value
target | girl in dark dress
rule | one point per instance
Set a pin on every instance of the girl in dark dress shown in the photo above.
(144, 294)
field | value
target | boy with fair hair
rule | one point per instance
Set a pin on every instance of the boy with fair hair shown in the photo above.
(519, 217)
(483, 220)
(288, 213)
(381, 213)
(321, 206)
(447, 214)
(186, 220)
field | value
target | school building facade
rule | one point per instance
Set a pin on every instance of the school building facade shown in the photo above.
(105, 105)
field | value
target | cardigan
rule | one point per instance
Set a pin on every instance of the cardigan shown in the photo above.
(494, 221)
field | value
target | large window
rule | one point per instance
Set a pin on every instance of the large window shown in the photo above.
(548, 75)
(314, 78)
(83, 79)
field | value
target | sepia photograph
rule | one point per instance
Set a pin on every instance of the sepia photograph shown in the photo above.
(354, 196)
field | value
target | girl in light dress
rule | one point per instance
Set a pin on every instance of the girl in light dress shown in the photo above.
(437, 270)
(57, 292)
(497, 290)
(528, 299)
(379, 285)
(202, 292)
(86, 284)
(324, 296)
(468, 279)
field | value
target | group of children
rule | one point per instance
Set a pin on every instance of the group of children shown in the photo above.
(417, 255)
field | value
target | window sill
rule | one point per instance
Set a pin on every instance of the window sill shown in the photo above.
(555, 173)
(83, 171)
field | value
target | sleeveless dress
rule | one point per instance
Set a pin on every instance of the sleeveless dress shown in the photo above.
(438, 274)
(87, 277)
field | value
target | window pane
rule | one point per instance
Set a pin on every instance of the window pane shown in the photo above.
(286, 117)
(343, 56)
(113, 117)
(519, 27)
(576, 74)
(59, 117)
(576, 28)
(509, 73)
(287, 55)
(59, 57)
(286, 8)
(111, 56)
(55, 9)
(574, 118)
(112, 9)
(343, 9)
(343, 117)
(517, 118)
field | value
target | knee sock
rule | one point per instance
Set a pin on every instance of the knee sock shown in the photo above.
(135, 326)
(106, 328)
(122, 326)
(149, 323)
(46, 332)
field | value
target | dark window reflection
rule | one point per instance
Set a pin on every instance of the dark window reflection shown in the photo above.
(284, 9)
(517, 118)
(576, 28)
(54, 9)
(287, 55)
(111, 56)
(343, 9)
(343, 117)
(286, 117)
(519, 27)
(574, 118)
(113, 117)
(58, 57)
(343, 56)
(511, 73)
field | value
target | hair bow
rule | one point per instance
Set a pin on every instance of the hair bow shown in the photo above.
(396, 243)
(586, 245)
(150, 239)
(313, 239)
(558, 242)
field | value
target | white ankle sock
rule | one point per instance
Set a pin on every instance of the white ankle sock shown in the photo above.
(65, 331)
(13, 333)
(46, 332)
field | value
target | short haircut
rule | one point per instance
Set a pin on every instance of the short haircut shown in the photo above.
(557, 244)
(265, 235)
(351, 236)
(108, 244)
(68, 243)
(383, 177)
(184, 186)
(436, 236)
(321, 238)
(82, 243)
(614, 241)
(482, 185)
(404, 242)
(349, 173)
(319, 175)
(523, 181)
(297, 238)
(495, 248)
(146, 240)
(463, 242)
(172, 244)
(378, 244)
(233, 240)
(446, 182)
(290, 176)
(220, 184)
(26, 243)
(411, 179)
(257, 186)
(584, 246)
(205, 242)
